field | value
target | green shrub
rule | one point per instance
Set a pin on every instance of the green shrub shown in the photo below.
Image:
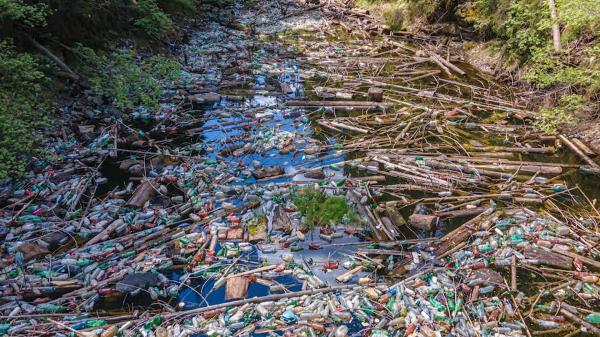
(321, 209)
(549, 69)
(152, 20)
(22, 108)
(551, 120)
(126, 81)
(29, 14)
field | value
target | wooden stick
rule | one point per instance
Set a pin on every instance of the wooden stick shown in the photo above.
(513, 273)
(578, 152)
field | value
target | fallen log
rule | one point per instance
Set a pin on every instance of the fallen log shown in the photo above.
(357, 104)
(423, 221)
(548, 257)
(461, 212)
(105, 234)
(578, 152)
(347, 276)
(583, 147)
(568, 314)
(590, 262)
(142, 193)
(463, 232)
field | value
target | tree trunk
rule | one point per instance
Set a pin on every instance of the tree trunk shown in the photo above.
(555, 27)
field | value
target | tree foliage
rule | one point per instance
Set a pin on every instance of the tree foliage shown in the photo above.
(83, 34)
(22, 109)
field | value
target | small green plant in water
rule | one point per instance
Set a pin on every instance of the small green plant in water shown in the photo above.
(321, 209)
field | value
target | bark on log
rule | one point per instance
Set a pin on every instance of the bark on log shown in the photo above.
(375, 94)
(549, 258)
(578, 152)
(142, 193)
(462, 233)
(423, 221)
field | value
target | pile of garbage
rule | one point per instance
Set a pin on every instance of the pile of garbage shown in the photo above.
(245, 205)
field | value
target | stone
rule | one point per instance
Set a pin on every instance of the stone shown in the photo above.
(375, 94)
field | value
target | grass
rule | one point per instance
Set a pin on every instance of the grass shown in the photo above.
(321, 210)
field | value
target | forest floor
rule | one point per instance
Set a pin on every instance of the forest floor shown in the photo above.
(308, 174)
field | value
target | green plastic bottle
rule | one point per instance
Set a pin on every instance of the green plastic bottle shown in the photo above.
(50, 308)
(593, 318)
(153, 322)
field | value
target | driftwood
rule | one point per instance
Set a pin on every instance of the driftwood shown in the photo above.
(347, 276)
(571, 316)
(583, 147)
(590, 262)
(375, 94)
(357, 104)
(462, 233)
(142, 193)
(547, 257)
(578, 152)
(423, 221)
(105, 233)
(461, 212)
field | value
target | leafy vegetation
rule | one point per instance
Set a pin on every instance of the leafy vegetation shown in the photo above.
(82, 34)
(126, 81)
(552, 119)
(22, 107)
(152, 19)
(521, 31)
(321, 209)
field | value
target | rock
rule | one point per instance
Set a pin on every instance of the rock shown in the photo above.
(423, 221)
(31, 250)
(137, 281)
(375, 94)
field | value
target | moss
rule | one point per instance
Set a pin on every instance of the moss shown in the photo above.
(256, 224)
(321, 209)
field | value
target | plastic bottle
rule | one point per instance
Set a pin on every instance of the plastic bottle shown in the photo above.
(593, 318)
